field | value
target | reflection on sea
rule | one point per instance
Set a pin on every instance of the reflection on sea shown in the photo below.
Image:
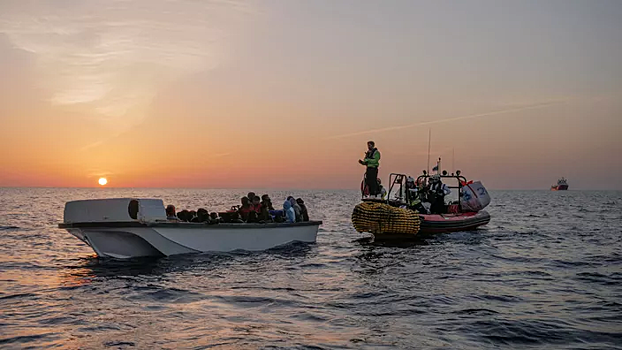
(527, 279)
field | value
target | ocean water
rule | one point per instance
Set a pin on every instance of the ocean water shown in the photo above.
(545, 273)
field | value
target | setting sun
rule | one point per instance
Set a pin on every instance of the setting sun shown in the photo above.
(103, 181)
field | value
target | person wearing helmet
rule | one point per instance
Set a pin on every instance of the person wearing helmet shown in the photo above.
(413, 197)
(437, 191)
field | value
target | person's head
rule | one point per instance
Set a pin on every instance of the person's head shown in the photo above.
(300, 202)
(202, 213)
(183, 215)
(250, 196)
(371, 145)
(292, 200)
(245, 202)
(192, 214)
(213, 215)
(170, 210)
(287, 205)
(256, 200)
(265, 198)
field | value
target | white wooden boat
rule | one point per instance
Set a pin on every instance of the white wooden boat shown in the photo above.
(131, 227)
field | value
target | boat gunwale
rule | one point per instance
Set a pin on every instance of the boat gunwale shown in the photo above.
(184, 225)
(464, 224)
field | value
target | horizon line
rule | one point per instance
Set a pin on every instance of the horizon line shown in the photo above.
(272, 189)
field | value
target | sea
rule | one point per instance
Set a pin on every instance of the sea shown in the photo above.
(546, 273)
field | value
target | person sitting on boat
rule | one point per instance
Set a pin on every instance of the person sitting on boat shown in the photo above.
(214, 219)
(381, 190)
(303, 209)
(250, 196)
(437, 191)
(372, 162)
(278, 215)
(290, 214)
(297, 209)
(202, 216)
(256, 204)
(183, 215)
(413, 197)
(266, 201)
(170, 213)
(263, 215)
(245, 209)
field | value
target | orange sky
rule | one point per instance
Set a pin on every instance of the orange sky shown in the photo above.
(285, 94)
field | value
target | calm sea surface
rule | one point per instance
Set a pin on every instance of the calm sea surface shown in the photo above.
(545, 273)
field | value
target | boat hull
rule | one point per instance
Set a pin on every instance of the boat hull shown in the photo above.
(442, 223)
(132, 239)
(559, 188)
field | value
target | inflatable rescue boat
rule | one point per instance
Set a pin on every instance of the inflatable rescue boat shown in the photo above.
(403, 213)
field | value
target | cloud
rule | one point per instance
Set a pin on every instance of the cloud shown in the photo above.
(471, 116)
(112, 57)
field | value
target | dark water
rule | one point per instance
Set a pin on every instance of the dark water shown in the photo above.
(545, 273)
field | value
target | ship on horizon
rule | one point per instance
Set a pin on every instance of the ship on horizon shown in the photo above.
(562, 185)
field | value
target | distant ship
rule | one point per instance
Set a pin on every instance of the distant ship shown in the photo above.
(562, 185)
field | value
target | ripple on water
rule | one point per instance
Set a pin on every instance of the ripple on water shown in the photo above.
(532, 278)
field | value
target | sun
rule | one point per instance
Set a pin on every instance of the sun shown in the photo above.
(103, 181)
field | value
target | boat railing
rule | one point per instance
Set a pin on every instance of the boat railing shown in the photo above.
(397, 184)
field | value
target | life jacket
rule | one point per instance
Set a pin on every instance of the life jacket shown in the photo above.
(437, 188)
(370, 154)
(413, 197)
(256, 208)
(245, 210)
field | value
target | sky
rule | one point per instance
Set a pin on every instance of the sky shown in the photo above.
(285, 94)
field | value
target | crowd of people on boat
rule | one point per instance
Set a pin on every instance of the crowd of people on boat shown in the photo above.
(424, 196)
(427, 198)
(252, 209)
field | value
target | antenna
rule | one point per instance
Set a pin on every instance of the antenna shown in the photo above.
(453, 158)
(429, 140)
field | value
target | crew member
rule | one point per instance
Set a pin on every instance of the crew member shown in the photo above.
(372, 162)
(436, 194)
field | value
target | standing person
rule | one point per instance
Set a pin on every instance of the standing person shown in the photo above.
(372, 162)
(436, 193)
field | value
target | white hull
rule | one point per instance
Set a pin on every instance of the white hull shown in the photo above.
(171, 239)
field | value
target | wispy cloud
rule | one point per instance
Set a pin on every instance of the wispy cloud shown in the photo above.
(112, 57)
(439, 121)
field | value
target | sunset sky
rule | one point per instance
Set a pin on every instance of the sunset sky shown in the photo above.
(284, 94)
